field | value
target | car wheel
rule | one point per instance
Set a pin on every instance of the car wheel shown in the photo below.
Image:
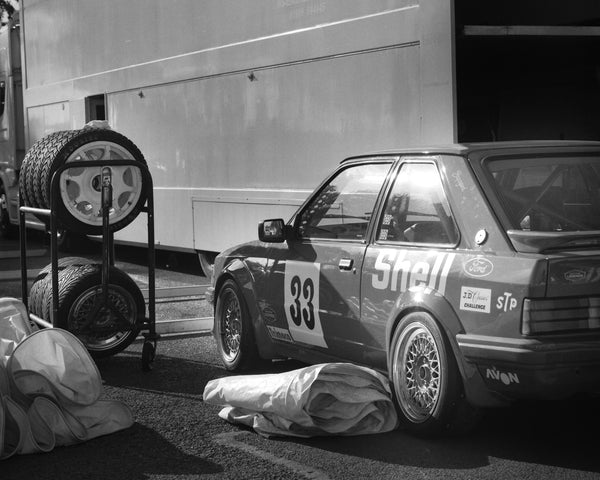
(6, 228)
(233, 329)
(427, 385)
(80, 293)
(79, 207)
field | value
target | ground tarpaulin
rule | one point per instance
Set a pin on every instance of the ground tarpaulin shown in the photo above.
(50, 388)
(325, 399)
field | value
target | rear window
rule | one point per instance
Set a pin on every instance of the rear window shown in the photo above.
(549, 194)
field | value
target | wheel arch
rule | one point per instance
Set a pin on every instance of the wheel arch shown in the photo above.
(444, 315)
(238, 271)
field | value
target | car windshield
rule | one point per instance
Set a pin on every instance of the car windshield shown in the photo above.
(549, 194)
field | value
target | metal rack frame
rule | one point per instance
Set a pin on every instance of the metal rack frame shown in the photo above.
(150, 337)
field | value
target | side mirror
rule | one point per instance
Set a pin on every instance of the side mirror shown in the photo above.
(272, 231)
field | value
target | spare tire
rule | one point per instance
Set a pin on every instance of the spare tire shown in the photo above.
(42, 286)
(79, 208)
(104, 331)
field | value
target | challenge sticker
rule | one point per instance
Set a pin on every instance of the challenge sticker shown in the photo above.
(475, 299)
(301, 302)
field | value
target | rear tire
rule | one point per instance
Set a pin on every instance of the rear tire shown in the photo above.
(233, 330)
(427, 384)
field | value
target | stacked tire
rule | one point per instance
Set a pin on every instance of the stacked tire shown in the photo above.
(106, 325)
(79, 205)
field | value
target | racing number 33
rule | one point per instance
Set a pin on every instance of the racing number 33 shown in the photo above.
(304, 310)
(302, 302)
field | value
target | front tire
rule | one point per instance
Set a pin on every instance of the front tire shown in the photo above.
(233, 330)
(427, 385)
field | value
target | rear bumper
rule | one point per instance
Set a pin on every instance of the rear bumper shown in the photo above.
(527, 368)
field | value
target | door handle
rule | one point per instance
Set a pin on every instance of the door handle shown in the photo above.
(346, 264)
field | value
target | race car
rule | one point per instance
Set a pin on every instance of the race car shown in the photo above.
(468, 274)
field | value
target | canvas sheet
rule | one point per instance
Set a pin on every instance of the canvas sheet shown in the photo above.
(50, 388)
(325, 399)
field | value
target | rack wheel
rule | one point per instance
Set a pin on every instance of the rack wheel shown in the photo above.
(104, 330)
(148, 353)
(79, 207)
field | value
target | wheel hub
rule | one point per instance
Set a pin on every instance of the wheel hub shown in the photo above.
(81, 188)
(97, 183)
(105, 328)
(232, 327)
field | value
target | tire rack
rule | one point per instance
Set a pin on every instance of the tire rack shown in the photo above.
(150, 337)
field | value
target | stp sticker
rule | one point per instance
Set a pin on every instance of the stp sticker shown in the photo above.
(475, 299)
(301, 302)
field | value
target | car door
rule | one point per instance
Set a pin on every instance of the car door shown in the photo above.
(413, 249)
(320, 267)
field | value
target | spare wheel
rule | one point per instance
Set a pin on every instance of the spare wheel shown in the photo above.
(79, 206)
(104, 329)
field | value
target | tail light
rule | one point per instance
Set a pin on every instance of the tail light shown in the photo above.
(561, 315)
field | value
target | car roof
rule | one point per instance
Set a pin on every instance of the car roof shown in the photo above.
(464, 149)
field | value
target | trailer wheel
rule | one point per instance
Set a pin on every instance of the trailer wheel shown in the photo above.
(79, 208)
(426, 380)
(105, 332)
(6, 228)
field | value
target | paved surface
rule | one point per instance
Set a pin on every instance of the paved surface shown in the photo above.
(177, 436)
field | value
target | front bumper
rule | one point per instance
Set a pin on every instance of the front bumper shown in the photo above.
(532, 368)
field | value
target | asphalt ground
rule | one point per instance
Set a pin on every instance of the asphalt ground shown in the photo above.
(177, 436)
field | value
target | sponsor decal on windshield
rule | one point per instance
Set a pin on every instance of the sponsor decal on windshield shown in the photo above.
(397, 273)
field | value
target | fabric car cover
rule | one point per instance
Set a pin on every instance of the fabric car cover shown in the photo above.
(325, 399)
(50, 388)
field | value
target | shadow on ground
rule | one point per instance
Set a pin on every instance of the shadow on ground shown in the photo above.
(135, 454)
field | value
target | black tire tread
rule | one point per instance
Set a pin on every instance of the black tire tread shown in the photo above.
(75, 277)
(68, 279)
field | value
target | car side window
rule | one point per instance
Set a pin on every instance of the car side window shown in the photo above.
(417, 210)
(343, 208)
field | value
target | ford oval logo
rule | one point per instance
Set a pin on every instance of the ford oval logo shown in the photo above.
(478, 267)
(575, 276)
